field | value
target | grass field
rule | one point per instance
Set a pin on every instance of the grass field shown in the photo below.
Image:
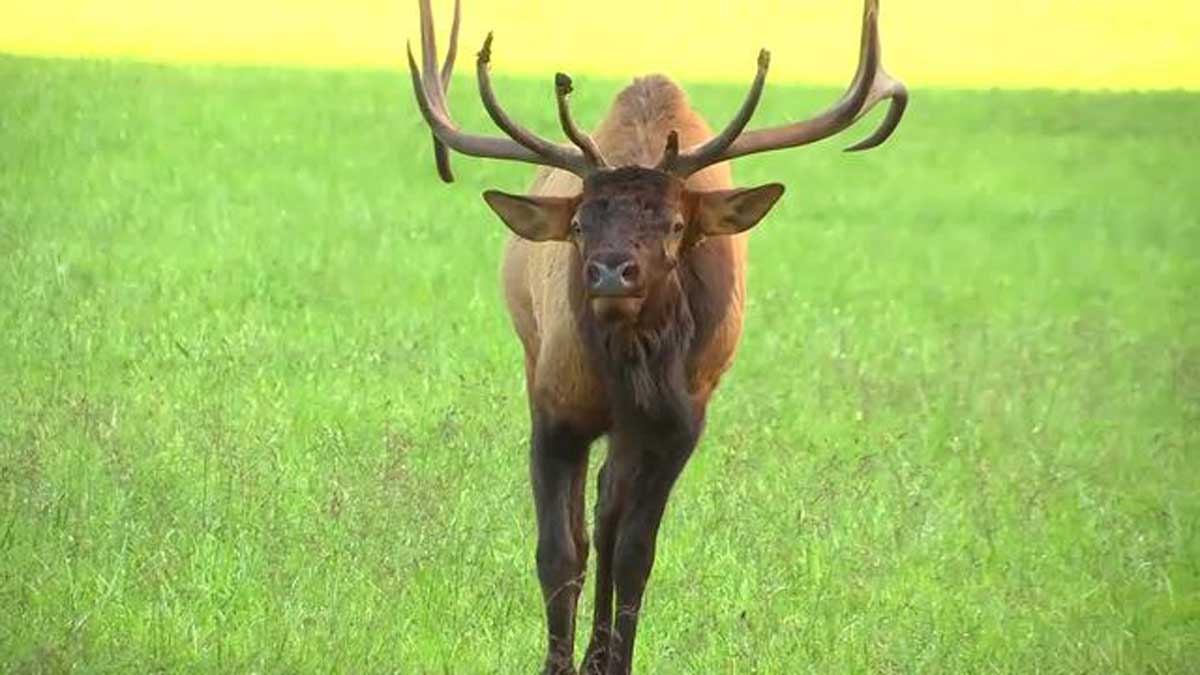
(261, 409)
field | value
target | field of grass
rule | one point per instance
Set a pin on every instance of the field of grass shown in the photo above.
(261, 409)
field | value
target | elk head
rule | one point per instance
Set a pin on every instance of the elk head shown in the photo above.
(632, 224)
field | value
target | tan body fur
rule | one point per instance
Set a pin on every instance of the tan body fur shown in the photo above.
(535, 274)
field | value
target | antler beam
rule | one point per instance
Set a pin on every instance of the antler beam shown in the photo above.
(871, 84)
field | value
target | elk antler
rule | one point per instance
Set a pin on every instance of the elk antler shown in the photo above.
(440, 153)
(871, 84)
(522, 144)
(562, 89)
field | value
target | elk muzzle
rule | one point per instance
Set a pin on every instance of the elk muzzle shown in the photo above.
(614, 284)
(609, 278)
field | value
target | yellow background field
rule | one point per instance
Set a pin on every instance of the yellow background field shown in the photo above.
(1023, 43)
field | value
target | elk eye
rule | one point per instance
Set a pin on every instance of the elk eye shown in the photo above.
(677, 227)
(577, 229)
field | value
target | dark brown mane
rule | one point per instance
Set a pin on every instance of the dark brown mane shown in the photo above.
(643, 365)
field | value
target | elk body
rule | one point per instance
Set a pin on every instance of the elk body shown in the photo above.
(625, 282)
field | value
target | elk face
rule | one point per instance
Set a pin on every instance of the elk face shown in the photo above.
(631, 226)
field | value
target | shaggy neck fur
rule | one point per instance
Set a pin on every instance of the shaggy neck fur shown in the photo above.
(643, 364)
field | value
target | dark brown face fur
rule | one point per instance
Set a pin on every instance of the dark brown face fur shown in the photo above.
(629, 229)
(631, 226)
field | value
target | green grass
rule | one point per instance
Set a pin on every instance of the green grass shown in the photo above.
(261, 408)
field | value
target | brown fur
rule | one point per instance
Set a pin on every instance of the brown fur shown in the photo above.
(560, 376)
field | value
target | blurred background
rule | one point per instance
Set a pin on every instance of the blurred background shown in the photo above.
(1088, 44)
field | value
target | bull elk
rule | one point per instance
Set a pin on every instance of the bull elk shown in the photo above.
(625, 281)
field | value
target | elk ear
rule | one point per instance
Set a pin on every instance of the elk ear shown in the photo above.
(532, 217)
(720, 212)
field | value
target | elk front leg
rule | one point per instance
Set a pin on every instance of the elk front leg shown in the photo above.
(558, 467)
(609, 495)
(650, 474)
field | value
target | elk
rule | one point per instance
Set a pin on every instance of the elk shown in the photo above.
(625, 282)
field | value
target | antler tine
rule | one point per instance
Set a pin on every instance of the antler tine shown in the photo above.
(562, 89)
(568, 158)
(670, 152)
(452, 50)
(429, 88)
(429, 66)
(870, 85)
(884, 87)
(691, 161)
(441, 154)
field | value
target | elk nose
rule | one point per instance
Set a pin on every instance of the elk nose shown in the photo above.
(607, 278)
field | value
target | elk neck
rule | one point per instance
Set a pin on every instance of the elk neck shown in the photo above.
(642, 363)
